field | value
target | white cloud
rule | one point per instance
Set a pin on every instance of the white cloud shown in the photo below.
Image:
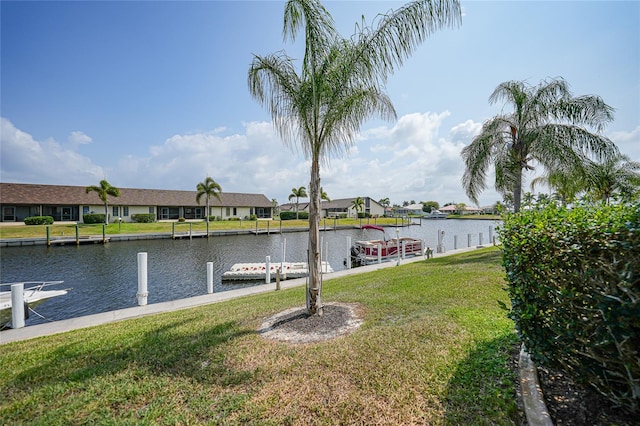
(628, 142)
(26, 160)
(78, 138)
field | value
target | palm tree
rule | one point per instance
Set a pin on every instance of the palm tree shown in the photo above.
(340, 85)
(323, 195)
(384, 202)
(208, 188)
(615, 176)
(104, 189)
(358, 204)
(565, 186)
(547, 127)
(298, 193)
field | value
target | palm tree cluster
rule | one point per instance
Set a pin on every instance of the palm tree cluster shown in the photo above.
(548, 127)
(617, 177)
(340, 85)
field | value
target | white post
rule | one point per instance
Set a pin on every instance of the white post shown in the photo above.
(17, 305)
(480, 240)
(468, 240)
(398, 244)
(491, 235)
(455, 242)
(404, 249)
(284, 254)
(348, 252)
(326, 258)
(267, 272)
(379, 253)
(142, 279)
(209, 277)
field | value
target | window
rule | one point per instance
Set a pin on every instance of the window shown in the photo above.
(235, 211)
(228, 211)
(151, 210)
(115, 211)
(85, 209)
(125, 211)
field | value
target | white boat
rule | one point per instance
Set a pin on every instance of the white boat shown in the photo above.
(366, 252)
(258, 271)
(436, 214)
(33, 293)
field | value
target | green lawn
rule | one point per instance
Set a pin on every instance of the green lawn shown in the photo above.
(69, 230)
(433, 349)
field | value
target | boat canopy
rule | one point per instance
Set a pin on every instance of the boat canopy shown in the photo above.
(376, 227)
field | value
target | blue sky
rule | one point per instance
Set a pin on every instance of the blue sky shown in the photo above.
(153, 94)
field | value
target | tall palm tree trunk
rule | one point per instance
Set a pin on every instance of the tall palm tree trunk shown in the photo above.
(314, 292)
(106, 214)
(517, 192)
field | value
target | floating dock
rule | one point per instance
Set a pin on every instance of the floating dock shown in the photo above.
(258, 271)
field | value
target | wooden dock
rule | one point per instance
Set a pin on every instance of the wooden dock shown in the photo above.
(67, 241)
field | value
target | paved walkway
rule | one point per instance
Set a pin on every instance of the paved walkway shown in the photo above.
(62, 326)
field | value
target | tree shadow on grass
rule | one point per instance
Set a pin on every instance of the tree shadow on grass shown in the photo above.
(482, 256)
(160, 351)
(483, 387)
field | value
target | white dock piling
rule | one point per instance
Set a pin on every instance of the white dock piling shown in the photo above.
(142, 279)
(209, 277)
(17, 305)
(379, 253)
(267, 274)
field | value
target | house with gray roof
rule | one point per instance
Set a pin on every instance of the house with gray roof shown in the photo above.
(70, 203)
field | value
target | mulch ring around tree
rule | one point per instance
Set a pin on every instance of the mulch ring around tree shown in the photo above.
(296, 326)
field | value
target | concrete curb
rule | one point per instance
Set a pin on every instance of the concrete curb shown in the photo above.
(534, 406)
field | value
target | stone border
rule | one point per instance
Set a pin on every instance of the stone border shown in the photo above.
(534, 406)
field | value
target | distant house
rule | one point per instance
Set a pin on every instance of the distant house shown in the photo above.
(70, 203)
(344, 207)
(339, 208)
(411, 209)
(452, 208)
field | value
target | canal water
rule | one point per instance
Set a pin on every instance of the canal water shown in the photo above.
(103, 278)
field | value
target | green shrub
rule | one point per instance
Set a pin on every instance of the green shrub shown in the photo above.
(253, 217)
(38, 220)
(292, 215)
(234, 219)
(181, 219)
(574, 284)
(143, 218)
(93, 218)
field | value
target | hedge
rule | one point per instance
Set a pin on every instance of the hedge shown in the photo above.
(93, 218)
(38, 220)
(292, 215)
(143, 218)
(574, 284)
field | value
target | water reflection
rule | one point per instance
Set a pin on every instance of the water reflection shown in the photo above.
(104, 277)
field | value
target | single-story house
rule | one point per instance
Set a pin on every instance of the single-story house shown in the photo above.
(70, 203)
(452, 208)
(336, 208)
(411, 209)
(344, 206)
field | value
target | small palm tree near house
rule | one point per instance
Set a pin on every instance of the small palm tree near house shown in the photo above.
(298, 193)
(324, 196)
(358, 205)
(208, 188)
(104, 190)
(549, 127)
